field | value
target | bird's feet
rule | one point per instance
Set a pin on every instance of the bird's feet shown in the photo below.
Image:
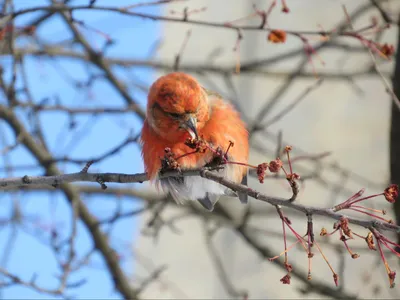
(218, 160)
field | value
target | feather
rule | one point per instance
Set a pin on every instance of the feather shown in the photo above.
(230, 193)
(176, 187)
(218, 123)
(243, 197)
(209, 201)
(191, 188)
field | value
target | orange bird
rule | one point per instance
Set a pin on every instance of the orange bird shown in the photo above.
(179, 108)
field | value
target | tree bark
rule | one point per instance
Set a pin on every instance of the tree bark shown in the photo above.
(395, 133)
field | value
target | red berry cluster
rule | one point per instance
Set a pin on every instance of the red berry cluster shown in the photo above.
(169, 161)
(273, 166)
(391, 193)
(197, 144)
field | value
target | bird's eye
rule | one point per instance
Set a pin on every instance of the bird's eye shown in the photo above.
(174, 115)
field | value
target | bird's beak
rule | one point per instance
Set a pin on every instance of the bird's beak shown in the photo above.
(190, 125)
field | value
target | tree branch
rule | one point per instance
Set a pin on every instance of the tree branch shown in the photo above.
(102, 178)
(100, 239)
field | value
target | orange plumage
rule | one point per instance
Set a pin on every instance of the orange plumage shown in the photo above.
(178, 108)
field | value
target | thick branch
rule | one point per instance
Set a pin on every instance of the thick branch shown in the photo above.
(394, 142)
(102, 178)
(100, 240)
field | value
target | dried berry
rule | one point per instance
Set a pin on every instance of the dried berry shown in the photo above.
(275, 165)
(277, 36)
(386, 49)
(370, 241)
(391, 193)
(323, 232)
(169, 161)
(261, 169)
(286, 279)
(197, 144)
(344, 224)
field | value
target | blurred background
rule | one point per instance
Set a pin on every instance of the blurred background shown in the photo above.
(74, 81)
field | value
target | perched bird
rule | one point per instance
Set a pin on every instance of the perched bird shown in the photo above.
(179, 107)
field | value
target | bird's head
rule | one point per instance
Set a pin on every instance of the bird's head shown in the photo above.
(177, 106)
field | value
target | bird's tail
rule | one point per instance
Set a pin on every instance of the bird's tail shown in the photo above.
(243, 196)
(209, 201)
(207, 193)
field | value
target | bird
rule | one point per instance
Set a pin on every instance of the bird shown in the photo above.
(178, 108)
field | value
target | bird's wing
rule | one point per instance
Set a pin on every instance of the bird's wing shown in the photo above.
(212, 93)
(243, 197)
(225, 125)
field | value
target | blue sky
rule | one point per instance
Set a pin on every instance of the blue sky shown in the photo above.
(91, 137)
